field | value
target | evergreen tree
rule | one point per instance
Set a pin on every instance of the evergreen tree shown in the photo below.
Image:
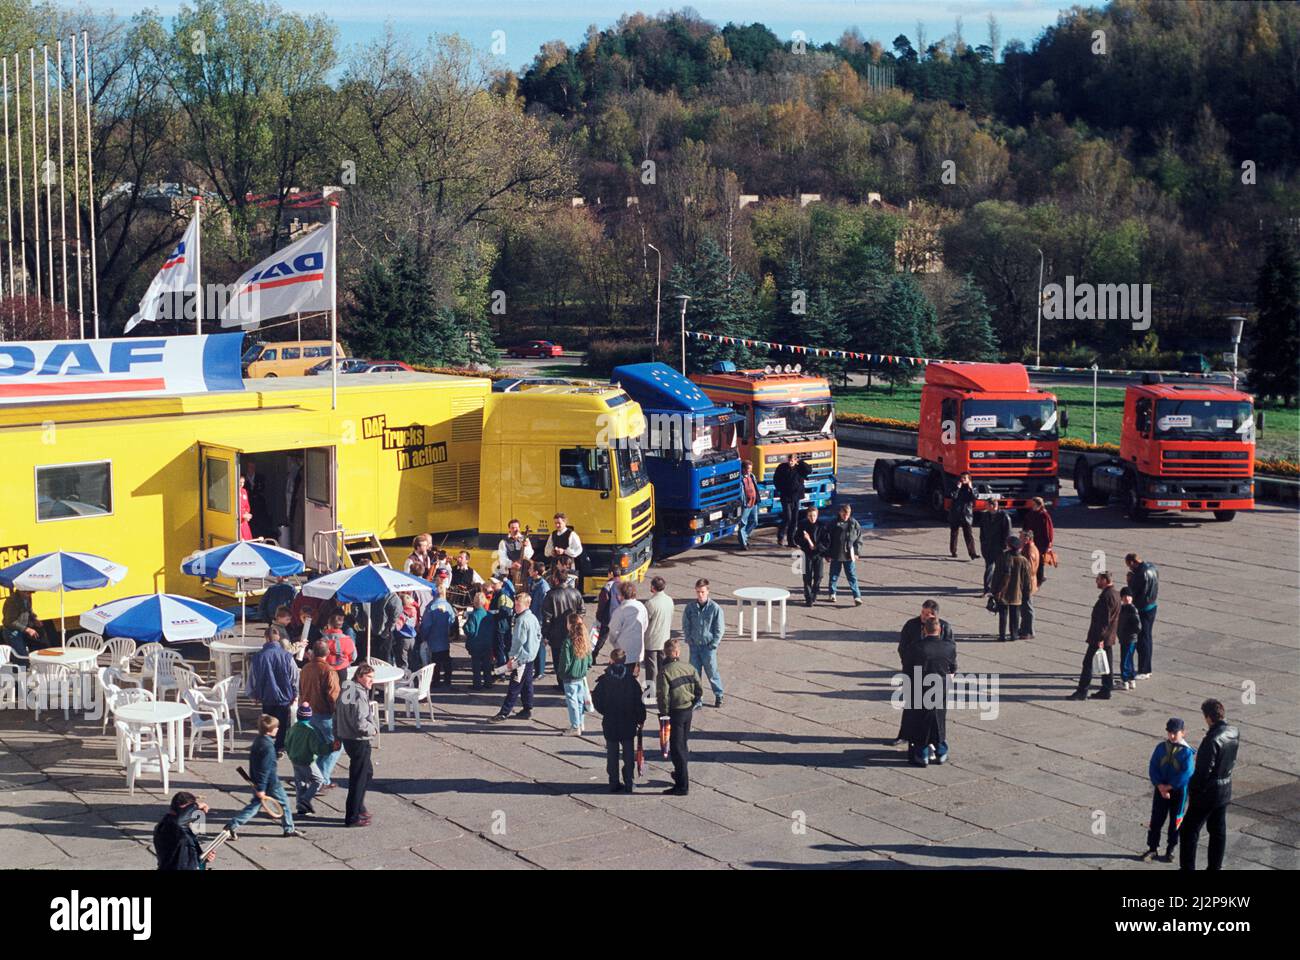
(1275, 349)
(968, 330)
(723, 301)
(906, 326)
(810, 317)
(396, 319)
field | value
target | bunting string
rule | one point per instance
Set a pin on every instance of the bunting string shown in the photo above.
(886, 359)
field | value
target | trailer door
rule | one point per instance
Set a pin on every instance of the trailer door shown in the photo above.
(320, 513)
(218, 495)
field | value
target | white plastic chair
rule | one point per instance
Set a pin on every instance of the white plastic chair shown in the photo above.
(186, 679)
(211, 712)
(10, 673)
(117, 653)
(86, 641)
(55, 685)
(161, 665)
(142, 752)
(412, 696)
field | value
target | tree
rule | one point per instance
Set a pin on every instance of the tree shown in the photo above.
(810, 317)
(968, 331)
(906, 327)
(1276, 337)
(723, 301)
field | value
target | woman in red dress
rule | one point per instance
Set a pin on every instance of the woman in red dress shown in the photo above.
(245, 511)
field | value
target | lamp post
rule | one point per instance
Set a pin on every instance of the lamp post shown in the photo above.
(659, 273)
(1237, 324)
(1038, 343)
(1094, 404)
(683, 298)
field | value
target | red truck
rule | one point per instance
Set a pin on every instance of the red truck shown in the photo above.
(981, 418)
(1183, 447)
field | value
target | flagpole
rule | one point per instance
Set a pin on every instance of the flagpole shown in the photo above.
(334, 305)
(198, 269)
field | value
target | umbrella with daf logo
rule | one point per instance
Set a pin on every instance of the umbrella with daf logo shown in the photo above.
(240, 561)
(157, 618)
(61, 571)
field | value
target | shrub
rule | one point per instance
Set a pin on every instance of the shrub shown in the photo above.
(604, 355)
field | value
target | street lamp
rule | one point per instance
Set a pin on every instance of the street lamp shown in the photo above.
(1094, 404)
(683, 298)
(659, 272)
(1038, 346)
(1237, 324)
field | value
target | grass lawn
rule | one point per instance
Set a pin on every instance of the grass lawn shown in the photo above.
(1280, 438)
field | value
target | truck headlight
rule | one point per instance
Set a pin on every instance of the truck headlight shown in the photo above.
(1159, 488)
(695, 523)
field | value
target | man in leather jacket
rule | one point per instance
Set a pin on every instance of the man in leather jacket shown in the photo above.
(1210, 790)
(1144, 581)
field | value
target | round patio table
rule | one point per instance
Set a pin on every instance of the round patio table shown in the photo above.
(755, 596)
(164, 713)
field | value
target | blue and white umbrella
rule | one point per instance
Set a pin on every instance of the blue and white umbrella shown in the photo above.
(61, 571)
(365, 584)
(240, 561)
(157, 617)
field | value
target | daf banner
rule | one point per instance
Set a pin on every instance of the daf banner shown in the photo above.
(133, 367)
(296, 279)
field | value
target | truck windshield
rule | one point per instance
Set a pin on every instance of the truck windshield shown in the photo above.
(1008, 420)
(631, 468)
(1205, 420)
(791, 421)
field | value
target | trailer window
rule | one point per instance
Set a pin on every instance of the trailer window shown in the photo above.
(74, 490)
(584, 468)
(216, 471)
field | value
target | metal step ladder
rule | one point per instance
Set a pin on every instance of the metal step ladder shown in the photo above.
(339, 548)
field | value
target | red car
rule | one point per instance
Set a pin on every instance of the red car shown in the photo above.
(536, 348)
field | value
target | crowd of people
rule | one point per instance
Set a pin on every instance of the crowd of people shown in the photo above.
(531, 612)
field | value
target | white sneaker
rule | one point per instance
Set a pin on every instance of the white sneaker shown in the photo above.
(857, 601)
(573, 732)
(1144, 676)
(1129, 685)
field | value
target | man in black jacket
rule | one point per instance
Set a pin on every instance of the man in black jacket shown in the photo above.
(960, 516)
(173, 839)
(995, 531)
(913, 633)
(810, 541)
(1210, 790)
(928, 666)
(1144, 581)
(560, 601)
(617, 697)
(789, 481)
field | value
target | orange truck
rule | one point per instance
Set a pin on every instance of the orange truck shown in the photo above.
(783, 411)
(1183, 447)
(981, 418)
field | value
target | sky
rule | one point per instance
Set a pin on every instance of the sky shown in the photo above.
(527, 24)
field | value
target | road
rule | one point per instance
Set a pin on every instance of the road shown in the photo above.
(797, 768)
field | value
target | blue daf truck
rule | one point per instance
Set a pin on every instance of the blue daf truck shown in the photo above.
(689, 445)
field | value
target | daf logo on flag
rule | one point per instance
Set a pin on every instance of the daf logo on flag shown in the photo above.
(309, 266)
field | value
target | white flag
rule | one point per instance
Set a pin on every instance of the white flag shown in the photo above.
(179, 273)
(293, 280)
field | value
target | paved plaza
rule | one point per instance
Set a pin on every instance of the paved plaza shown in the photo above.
(797, 769)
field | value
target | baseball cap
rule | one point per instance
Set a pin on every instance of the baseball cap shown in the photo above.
(1174, 725)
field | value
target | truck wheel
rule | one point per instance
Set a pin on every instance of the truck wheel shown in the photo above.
(1132, 505)
(882, 479)
(1083, 484)
(1223, 516)
(934, 498)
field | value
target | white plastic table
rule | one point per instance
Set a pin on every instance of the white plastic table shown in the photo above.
(387, 678)
(160, 712)
(223, 650)
(76, 659)
(755, 596)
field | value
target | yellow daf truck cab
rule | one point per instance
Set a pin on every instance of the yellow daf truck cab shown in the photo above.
(571, 449)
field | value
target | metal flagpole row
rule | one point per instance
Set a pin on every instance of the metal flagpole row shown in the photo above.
(90, 183)
(76, 186)
(48, 176)
(22, 216)
(63, 201)
(36, 178)
(9, 210)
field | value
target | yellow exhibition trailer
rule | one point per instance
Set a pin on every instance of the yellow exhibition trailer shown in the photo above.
(147, 481)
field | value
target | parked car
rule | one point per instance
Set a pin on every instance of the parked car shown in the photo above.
(1195, 363)
(290, 358)
(358, 365)
(535, 348)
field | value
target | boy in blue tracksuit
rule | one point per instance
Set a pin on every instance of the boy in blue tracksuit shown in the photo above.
(1170, 769)
(261, 770)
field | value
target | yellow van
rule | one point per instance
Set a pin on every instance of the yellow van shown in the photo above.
(288, 358)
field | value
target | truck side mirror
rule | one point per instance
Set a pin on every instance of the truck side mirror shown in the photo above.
(605, 484)
(1065, 419)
